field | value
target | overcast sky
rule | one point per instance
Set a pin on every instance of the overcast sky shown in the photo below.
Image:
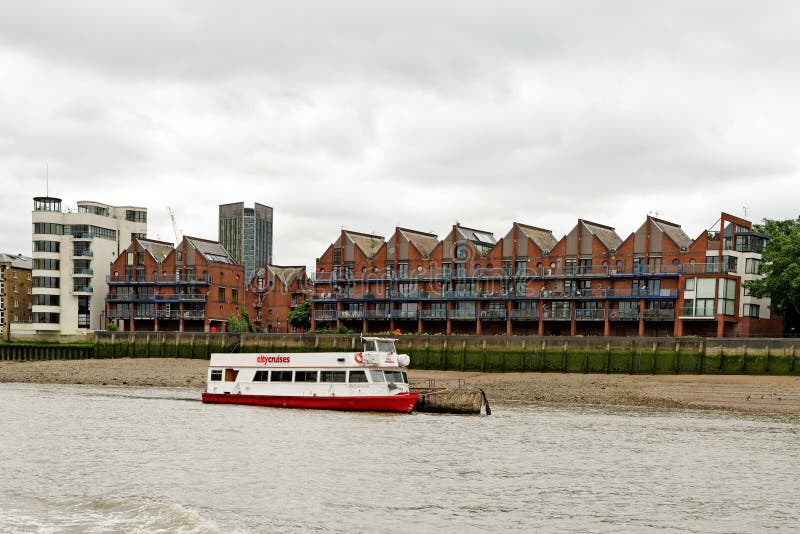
(369, 115)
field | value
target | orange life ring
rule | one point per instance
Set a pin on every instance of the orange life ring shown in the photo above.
(359, 357)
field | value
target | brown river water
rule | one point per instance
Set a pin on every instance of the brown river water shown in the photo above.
(77, 459)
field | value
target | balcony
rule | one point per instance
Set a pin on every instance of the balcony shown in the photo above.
(169, 315)
(428, 315)
(590, 315)
(325, 315)
(82, 236)
(461, 314)
(381, 315)
(557, 315)
(404, 314)
(524, 314)
(624, 315)
(658, 315)
(81, 290)
(168, 279)
(82, 254)
(697, 314)
(82, 272)
(493, 315)
(194, 315)
(351, 314)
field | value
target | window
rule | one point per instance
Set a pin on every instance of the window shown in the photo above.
(216, 375)
(136, 216)
(235, 296)
(357, 376)
(221, 295)
(752, 310)
(752, 265)
(376, 376)
(727, 297)
(281, 376)
(333, 376)
(305, 376)
(689, 284)
(394, 376)
(261, 376)
(704, 308)
(521, 267)
(46, 281)
(46, 246)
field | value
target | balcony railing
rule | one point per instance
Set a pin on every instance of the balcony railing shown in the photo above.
(351, 314)
(461, 314)
(495, 315)
(524, 314)
(659, 315)
(404, 314)
(377, 314)
(82, 272)
(82, 254)
(589, 315)
(624, 315)
(194, 315)
(557, 315)
(81, 289)
(325, 315)
(433, 314)
(697, 314)
(161, 279)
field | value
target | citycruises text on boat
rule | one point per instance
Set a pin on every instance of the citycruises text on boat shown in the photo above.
(374, 379)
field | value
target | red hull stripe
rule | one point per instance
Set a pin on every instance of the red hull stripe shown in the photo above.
(393, 403)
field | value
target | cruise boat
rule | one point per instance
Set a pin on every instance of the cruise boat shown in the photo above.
(373, 379)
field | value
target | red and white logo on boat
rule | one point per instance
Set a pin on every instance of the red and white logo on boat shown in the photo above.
(389, 360)
(273, 359)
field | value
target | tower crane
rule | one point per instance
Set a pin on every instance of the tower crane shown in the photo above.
(174, 226)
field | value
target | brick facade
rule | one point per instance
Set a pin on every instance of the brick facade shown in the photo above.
(656, 282)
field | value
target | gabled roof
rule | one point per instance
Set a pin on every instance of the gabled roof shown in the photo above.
(212, 251)
(674, 232)
(482, 240)
(369, 244)
(544, 239)
(287, 275)
(424, 242)
(605, 234)
(17, 261)
(157, 249)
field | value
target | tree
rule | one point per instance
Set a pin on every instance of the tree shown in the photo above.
(300, 317)
(235, 324)
(781, 265)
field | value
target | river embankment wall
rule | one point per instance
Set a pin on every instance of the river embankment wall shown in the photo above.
(463, 353)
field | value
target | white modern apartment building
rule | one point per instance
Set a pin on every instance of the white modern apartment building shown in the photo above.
(71, 254)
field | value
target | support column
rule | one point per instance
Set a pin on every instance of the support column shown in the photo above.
(607, 320)
(720, 327)
(677, 329)
(641, 318)
(477, 326)
(541, 318)
(508, 318)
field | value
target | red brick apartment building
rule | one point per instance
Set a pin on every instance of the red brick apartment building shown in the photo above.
(194, 287)
(656, 282)
(274, 292)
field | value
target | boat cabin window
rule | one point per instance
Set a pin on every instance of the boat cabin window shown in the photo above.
(385, 346)
(216, 375)
(333, 376)
(231, 374)
(305, 376)
(261, 376)
(357, 376)
(395, 376)
(377, 376)
(280, 376)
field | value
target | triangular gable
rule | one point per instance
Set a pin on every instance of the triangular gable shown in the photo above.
(286, 275)
(367, 243)
(674, 232)
(544, 239)
(607, 236)
(425, 243)
(158, 250)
